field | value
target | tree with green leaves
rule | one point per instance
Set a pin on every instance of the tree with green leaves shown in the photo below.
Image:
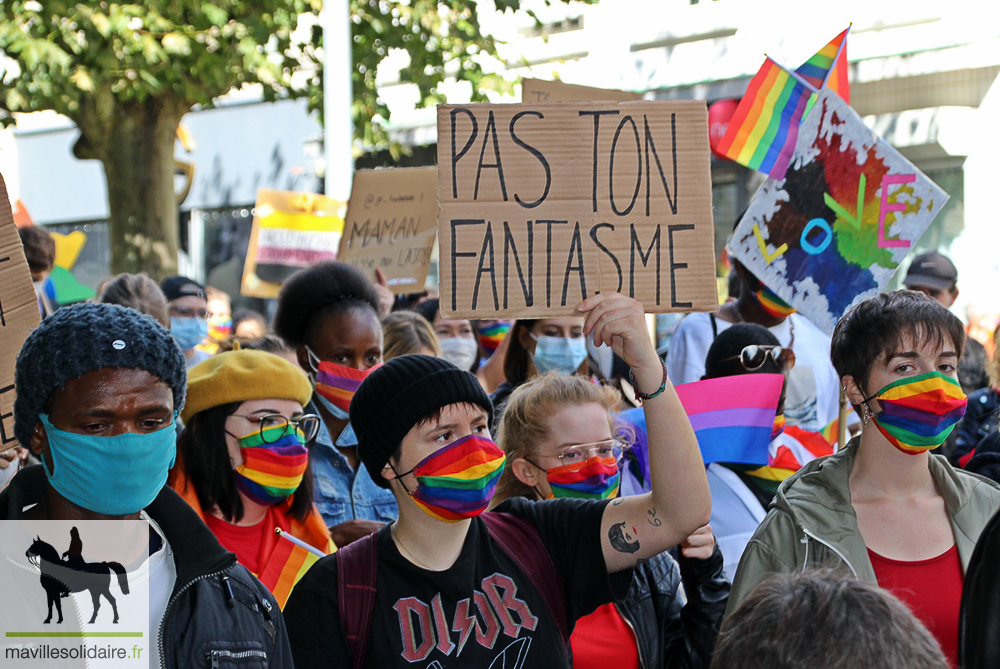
(126, 74)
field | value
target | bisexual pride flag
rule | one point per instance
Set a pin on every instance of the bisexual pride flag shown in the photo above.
(732, 416)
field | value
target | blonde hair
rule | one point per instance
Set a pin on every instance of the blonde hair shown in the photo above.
(524, 423)
(405, 332)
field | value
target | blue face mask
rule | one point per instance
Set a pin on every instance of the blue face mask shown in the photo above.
(111, 475)
(188, 332)
(558, 354)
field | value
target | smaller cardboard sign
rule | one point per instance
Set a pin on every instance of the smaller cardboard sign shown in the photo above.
(291, 230)
(19, 313)
(834, 230)
(544, 205)
(539, 90)
(391, 225)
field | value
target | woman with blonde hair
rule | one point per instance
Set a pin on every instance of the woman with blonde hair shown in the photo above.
(561, 440)
(405, 332)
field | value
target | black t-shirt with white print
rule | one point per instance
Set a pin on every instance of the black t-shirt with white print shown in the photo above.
(483, 612)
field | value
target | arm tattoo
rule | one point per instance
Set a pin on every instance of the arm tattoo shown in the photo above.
(617, 501)
(621, 539)
(653, 520)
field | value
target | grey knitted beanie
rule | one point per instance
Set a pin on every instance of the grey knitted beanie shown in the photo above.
(401, 393)
(85, 337)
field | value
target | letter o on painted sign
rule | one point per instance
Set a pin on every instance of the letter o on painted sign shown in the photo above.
(811, 247)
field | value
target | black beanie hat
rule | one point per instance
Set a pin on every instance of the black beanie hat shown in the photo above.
(400, 394)
(85, 337)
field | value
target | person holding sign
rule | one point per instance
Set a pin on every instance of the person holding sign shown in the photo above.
(884, 508)
(450, 585)
(560, 439)
(330, 313)
(243, 464)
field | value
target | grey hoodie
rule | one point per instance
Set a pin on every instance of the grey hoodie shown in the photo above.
(812, 523)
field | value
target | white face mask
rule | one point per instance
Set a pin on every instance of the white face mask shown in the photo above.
(460, 351)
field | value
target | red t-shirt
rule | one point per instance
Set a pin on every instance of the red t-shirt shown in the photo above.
(603, 639)
(931, 588)
(247, 540)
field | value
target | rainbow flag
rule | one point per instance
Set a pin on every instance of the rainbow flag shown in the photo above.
(762, 132)
(732, 416)
(289, 561)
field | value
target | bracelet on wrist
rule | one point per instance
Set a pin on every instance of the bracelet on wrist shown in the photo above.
(639, 395)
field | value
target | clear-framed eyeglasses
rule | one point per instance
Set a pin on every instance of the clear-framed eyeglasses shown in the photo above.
(273, 425)
(575, 457)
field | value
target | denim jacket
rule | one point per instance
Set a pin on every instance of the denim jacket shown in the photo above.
(339, 493)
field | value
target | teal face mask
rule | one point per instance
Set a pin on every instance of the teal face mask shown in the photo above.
(188, 332)
(115, 475)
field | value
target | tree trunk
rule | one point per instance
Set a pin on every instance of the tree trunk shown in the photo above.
(137, 151)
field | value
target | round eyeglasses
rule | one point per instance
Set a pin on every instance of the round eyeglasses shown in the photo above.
(575, 457)
(754, 356)
(273, 425)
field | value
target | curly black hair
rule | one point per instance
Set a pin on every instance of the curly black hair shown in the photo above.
(328, 288)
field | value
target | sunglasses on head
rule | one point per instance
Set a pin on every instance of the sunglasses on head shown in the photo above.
(754, 356)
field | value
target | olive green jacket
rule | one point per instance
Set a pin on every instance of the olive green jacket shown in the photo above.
(812, 524)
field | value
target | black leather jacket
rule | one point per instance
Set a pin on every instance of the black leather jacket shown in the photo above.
(979, 421)
(218, 615)
(671, 632)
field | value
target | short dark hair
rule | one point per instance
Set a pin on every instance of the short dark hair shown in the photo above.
(39, 247)
(328, 288)
(824, 620)
(517, 362)
(204, 457)
(139, 292)
(730, 342)
(429, 309)
(873, 330)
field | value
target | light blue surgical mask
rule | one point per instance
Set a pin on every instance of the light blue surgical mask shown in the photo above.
(115, 475)
(558, 354)
(188, 332)
(334, 410)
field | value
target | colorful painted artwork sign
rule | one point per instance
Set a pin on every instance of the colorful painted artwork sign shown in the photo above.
(833, 231)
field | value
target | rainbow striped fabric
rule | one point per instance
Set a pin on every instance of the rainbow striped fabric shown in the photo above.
(732, 416)
(272, 470)
(457, 481)
(920, 411)
(289, 561)
(762, 132)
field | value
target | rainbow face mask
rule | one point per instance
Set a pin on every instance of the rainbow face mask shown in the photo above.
(491, 335)
(773, 304)
(220, 327)
(919, 412)
(599, 478)
(457, 482)
(271, 471)
(338, 383)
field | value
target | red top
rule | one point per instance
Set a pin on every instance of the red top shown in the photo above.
(603, 639)
(248, 541)
(931, 588)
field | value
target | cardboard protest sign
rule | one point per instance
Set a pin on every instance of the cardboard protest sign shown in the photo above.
(291, 230)
(544, 205)
(833, 231)
(539, 90)
(391, 224)
(19, 313)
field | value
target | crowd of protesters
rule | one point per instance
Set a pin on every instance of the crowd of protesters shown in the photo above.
(467, 482)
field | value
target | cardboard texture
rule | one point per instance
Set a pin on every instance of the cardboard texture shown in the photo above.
(291, 230)
(539, 90)
(544, 205)
(19, 313)
(833, 231)
(391, 224)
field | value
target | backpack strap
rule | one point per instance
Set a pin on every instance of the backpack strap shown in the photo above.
(357, 566)
(520, 540)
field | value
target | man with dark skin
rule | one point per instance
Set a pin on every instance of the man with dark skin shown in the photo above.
(98, 389)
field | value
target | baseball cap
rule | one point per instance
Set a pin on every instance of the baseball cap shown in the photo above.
(176, 286)
(932, 270)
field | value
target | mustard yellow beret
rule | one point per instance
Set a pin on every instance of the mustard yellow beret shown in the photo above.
(238, 376)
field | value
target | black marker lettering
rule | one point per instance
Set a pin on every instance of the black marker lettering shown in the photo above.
(618, 265)
(597, 121)
(577, 244)
(537, 154)
(548, 257)
(487, 241)
(455, 157)
(455, 256)
(644, 258)
(672, 201)
(498, 166)
(611, 167)
(7, 436)
(508, 243)
(671, 229)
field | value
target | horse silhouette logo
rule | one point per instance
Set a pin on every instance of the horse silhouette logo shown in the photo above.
(71, 573)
